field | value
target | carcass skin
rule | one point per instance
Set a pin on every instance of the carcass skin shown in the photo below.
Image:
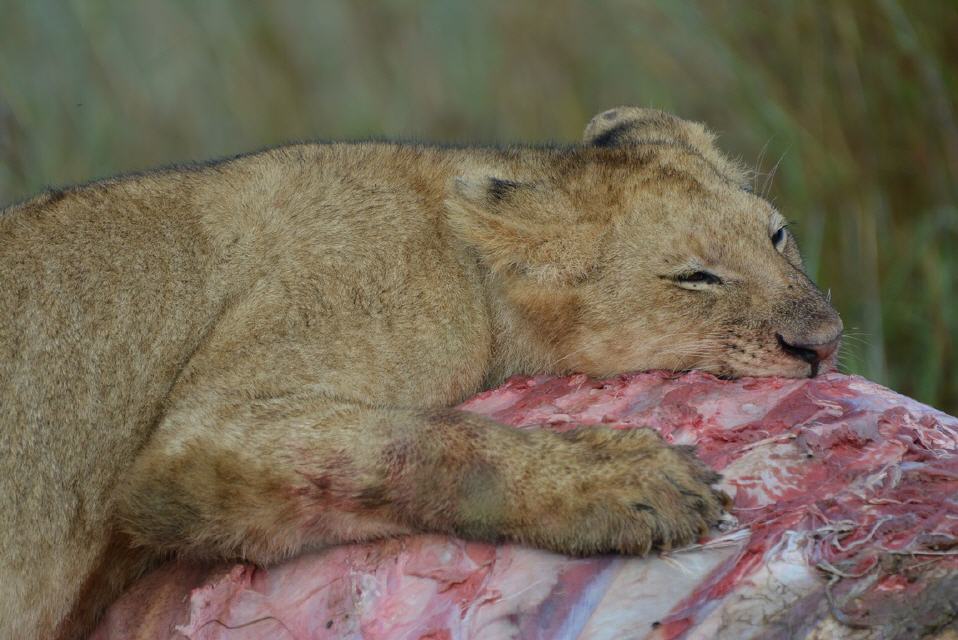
(845, 525)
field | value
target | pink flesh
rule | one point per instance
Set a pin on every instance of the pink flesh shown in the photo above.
(846, 496)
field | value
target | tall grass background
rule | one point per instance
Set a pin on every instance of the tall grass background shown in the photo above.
(851, 105)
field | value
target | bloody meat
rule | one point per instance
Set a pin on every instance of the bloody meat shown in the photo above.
(845, 524)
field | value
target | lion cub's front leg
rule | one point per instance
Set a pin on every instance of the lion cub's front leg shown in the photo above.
(264, 480)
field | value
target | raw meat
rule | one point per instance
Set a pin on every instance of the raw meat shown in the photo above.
(846, 501)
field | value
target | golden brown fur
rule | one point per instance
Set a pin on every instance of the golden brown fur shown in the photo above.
(254, 357)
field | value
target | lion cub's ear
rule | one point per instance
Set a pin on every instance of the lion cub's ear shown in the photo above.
(523, 228)
(636, 125)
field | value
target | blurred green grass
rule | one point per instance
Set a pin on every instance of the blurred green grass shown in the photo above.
(853, 102)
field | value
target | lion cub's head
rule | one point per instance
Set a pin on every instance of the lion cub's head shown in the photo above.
(644, 249)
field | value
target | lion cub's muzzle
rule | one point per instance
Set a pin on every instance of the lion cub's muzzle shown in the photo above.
(810, 330)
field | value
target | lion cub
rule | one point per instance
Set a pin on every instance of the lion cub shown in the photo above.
(253, 357)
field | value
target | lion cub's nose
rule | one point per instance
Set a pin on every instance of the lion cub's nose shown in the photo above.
(812, 353)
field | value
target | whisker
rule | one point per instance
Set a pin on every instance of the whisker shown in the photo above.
(767, 187)
(760, 161)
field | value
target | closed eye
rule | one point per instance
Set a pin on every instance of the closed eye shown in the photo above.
(697, 279)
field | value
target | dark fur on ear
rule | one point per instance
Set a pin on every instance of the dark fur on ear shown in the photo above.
(500, 189)
(612, 136)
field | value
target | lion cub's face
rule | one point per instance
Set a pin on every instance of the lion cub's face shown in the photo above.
(703, 276)
(642, 250)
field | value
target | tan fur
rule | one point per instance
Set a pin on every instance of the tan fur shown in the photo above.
(254, 357)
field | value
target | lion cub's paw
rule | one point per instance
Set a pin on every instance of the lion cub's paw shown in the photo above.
(633, 492)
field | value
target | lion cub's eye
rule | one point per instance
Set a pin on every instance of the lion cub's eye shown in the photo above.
(697, 278)
(778, 239)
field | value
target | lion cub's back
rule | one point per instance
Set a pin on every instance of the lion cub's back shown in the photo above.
(103, 291)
